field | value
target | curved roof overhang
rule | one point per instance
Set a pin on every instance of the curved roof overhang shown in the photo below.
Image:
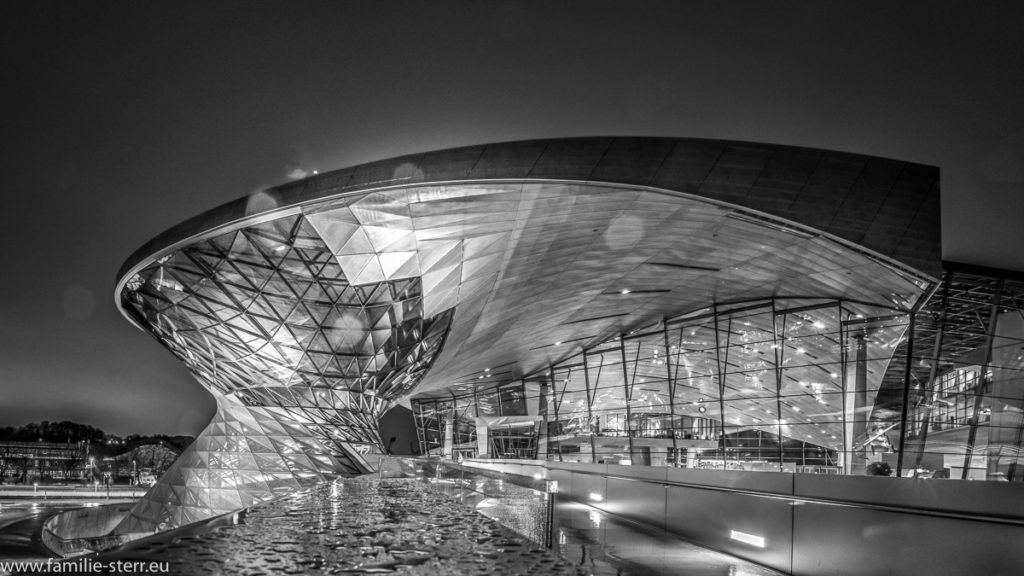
(888, 207)
(550, 234)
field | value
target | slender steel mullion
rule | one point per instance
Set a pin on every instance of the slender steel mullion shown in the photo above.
(929, 386)
(906, 391)
(419, 423)
(536, 436)
(555, 404)
(628, 386)
(779, 356)
(590, 413)
(721, 380)
(979, 389)
(560, 396)
(844, 359)
(671, 395)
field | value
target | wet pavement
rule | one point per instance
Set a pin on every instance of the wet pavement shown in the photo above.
(352, 526)
(434, 525)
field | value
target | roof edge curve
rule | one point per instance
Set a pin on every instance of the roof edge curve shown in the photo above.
(890, 207)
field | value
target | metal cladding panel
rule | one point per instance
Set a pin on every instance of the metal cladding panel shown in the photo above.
(688, 165)
(713, 518)
(454, 164)
(899, 543)
(838, 193)
(634, 499)
(512, 161)
(632, 160)
(570, 159)
(382, 173)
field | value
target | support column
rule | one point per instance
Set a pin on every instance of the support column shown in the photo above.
(483, 440)
(542, 430)
(691, 458)
(449, 438)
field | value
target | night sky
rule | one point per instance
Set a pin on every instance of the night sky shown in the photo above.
(121, 119)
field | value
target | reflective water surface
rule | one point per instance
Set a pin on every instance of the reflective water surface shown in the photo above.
(357, 525)
(444, 521)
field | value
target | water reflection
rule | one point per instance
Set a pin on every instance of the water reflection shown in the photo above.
(351, 526)
(522, 509)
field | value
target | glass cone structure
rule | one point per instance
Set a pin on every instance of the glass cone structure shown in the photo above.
(639, 300)
(302, 364)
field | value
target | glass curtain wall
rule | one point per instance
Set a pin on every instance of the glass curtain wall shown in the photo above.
(801, 385)
(785, 384)
(965, 384)
(453, 420)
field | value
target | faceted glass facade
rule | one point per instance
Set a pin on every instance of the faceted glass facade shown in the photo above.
(302, 363)
(245, 456)
(265, 314)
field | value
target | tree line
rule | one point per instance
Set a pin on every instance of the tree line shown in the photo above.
(73, 432)
(82, 445)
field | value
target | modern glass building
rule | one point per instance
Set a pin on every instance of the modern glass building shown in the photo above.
(648, 303)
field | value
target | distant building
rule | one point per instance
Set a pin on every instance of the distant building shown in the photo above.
(42, 461)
